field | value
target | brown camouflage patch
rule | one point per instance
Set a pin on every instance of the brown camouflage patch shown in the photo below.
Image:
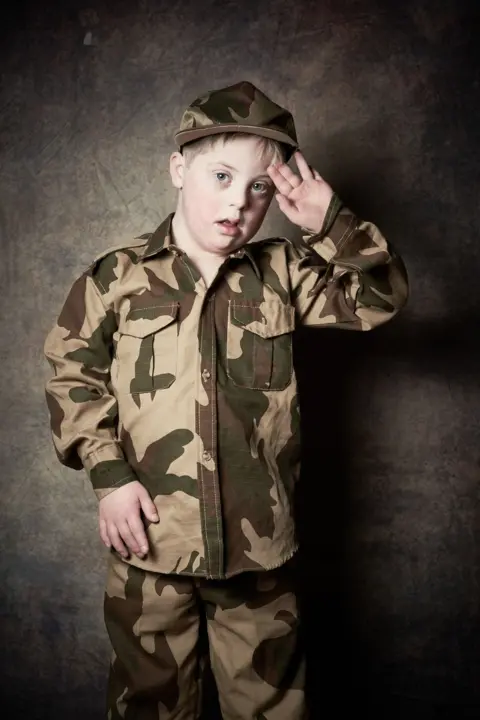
(140, 678)
(152, 469)
(72, 316)
(57, 414)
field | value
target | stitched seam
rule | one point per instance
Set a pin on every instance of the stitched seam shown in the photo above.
(102, 286)
(95, 452)
(189, 271)
(254, 357)
(153, 307)
(235, 305)
(214, 445)
(277, 388)
(152, 363)
(344, 237)
(119, 481)
(202, 483)
(253, 386)
(329, 214)
(99, 294)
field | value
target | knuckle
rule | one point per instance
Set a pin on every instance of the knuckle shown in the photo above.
(136, 524)
(113, 532)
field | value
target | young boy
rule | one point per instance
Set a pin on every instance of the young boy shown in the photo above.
(174, 388)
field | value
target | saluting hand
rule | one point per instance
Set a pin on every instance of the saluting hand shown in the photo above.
(304, 198)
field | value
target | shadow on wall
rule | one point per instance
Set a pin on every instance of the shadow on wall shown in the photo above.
(373, 639)
(386, 657)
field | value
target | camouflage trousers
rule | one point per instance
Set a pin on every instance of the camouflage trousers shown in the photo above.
(254, 644)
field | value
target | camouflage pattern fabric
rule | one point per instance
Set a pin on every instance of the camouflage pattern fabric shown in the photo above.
(255, 645)
(191, 389)
(238, 108)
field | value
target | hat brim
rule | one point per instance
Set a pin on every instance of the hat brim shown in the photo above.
(185, 136)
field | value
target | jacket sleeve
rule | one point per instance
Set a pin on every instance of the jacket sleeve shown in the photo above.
(83, 409)
(347, 275)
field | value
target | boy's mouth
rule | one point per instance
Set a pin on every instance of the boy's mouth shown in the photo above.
(230, 227)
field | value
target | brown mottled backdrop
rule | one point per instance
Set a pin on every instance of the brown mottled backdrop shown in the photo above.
(386, 98)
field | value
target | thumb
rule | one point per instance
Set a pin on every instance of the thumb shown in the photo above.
(148, 508)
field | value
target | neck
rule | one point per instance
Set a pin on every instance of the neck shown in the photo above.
(206, 263)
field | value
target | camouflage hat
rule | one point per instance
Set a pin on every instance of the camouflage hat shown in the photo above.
(237, 108)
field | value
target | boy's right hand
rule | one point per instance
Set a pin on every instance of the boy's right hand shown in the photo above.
(120, 520)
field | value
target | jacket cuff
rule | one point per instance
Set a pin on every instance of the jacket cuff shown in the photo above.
(108, 470)
(338, 226)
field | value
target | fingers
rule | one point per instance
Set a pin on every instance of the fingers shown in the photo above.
(121, 521)
(125, 536)
(284, 178)
(129, 538)
(138, 536)
(303, 167)
(284, 202)
(148, 508)
(287, 207)
(103, 533)
(116, 540)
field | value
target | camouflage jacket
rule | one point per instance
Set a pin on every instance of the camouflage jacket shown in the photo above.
(191, 389)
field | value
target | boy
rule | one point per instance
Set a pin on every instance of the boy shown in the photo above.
(174, 387)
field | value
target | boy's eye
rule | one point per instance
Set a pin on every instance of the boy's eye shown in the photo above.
(221, 176)
(260, 187)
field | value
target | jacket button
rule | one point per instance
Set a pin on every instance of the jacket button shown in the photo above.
(206, 375)
(206, 456)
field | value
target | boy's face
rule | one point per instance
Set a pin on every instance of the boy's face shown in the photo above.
(225, 194)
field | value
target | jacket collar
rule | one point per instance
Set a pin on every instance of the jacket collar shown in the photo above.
(162, 241)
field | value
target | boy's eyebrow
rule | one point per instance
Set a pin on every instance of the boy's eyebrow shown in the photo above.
(230, 167)
(219, 162)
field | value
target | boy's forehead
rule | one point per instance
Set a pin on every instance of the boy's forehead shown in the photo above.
(246, 153)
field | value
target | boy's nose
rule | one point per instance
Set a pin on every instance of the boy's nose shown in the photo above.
(238, 198)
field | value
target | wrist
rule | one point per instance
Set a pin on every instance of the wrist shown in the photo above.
(322, 221)
(109, 475)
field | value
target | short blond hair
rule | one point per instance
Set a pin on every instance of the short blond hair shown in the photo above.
(275, 149)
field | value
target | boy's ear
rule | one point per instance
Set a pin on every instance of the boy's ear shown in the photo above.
(177, 169)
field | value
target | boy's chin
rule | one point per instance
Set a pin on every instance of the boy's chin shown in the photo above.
(226, 246)
(230, 244)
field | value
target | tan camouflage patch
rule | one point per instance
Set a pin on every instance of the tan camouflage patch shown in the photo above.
(255, 646)
(176, 541)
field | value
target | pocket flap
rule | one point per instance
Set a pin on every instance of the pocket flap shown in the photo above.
(267, 319)
(142, 322)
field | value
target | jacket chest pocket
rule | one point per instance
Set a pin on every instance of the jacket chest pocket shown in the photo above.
(147, 349)
(259, 345)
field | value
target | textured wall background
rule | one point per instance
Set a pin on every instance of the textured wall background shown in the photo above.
(386, 101)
